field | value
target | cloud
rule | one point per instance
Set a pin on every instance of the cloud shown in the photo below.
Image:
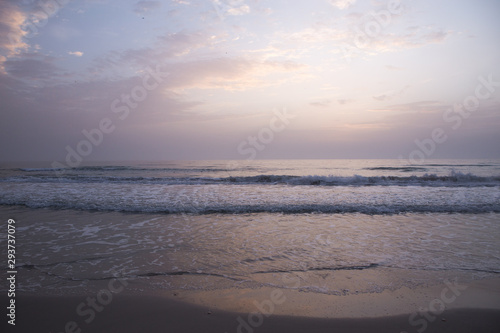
(20, 21)
(360, 40)
(229, 74)
(344, 101)
(391, 94)
(427, 106)
(355, 42)
(236, 11)
(76, 53)
(416, 38)
(11, 32)
(168, 48)
(393, 68)
(366, 126)
(230, 7)
(182, 43)
(322, 104)
(177, 54)
(143, 7)
(383, 97)
(31, 68)
(342, 4)
(313, 35)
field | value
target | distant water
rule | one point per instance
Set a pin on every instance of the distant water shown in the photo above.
(287, 186)
(220, 224)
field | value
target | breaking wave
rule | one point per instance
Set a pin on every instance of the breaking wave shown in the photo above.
(454, 179)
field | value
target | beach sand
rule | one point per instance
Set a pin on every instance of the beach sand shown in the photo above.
(127, 313)
(474, 307)
(451, 295)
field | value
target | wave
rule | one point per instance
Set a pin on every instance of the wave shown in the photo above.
(370, 209)
(454, 179)
(461, 165)
(335, 268)
(403, 169)
(85, 168)
(121, 168)
(38, 169)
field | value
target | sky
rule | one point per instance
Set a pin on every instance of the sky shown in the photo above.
(109, 80)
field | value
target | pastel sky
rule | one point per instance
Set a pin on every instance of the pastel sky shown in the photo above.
(239, 79)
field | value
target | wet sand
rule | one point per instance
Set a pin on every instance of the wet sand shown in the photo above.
(450, 295)
(449, 307)
(127, 313)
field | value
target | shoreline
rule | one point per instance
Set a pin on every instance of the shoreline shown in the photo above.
(134, 313)
(374, 299)
(471, 307)
(451, 295)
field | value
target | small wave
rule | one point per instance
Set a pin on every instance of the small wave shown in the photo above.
(403, 169)
(30, 266)
(122, 168)
(370, 209)
(461, 165)
(454, 179)
(39, 169)
(336, 268)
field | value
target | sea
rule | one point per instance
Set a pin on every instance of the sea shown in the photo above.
(213, 225)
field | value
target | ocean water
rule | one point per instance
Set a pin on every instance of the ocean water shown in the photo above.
(226, 224)
(288, 186)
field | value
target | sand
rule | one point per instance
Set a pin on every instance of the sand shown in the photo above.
(451, 295)
(159, 314)
(476, 309)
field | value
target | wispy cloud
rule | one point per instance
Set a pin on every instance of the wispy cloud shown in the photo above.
(182, 43)
(391, 94)
(176, 46)
(76, 53)
(344, 101)
(342, 4)
(11, 32)
(392, 42)
(35, 69)
(233, 74)
(427, 106)
(321, 103)
(393, 68)
(241, 10)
